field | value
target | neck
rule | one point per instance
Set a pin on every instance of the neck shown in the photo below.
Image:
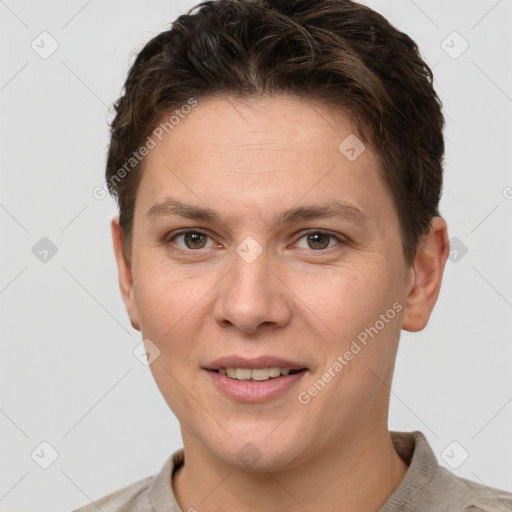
(357, 475)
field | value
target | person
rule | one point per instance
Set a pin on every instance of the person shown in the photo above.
(278, 169)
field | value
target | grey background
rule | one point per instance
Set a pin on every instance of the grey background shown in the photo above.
(68, 373)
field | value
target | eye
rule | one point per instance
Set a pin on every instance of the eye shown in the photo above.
(319, 240)
(192, 239)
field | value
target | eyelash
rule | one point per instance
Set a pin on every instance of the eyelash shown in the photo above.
(306, 233)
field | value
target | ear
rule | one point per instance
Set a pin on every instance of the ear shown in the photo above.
(124, 270)
(426, 277)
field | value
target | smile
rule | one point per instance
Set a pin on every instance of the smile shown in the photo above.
(259, 389)
(258, 374)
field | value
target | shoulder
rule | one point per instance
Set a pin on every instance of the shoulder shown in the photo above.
(133, 497)
(467, 495)
(428, 486)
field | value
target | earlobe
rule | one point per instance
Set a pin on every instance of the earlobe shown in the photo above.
(427, 276)
(125, 274)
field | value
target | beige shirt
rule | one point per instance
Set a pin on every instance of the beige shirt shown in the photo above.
(426, 487)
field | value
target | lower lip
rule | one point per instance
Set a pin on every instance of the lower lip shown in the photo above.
(255, 391)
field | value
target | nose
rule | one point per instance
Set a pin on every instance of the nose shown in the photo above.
(253, 295)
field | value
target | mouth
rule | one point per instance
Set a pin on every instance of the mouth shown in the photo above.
(255, 384)
(257, 379)
(257, 374)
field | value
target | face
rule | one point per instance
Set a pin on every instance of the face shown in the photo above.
(255, 236)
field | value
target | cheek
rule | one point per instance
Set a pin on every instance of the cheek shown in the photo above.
(165, 297)
(169, 308)
(362, 349)
(348, 300)
(172, 308)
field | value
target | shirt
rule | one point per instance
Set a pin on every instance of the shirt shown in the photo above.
(426, 486)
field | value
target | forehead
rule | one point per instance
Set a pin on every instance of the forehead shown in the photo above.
(271, 127)
(264, 154)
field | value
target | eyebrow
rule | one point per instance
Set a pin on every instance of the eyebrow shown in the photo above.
(332, 209)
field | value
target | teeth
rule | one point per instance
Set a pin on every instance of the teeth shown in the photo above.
(274, 371)
(259, 373)
(243, 373)
(255, 373)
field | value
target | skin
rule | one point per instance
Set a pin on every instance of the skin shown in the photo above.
(300, 299)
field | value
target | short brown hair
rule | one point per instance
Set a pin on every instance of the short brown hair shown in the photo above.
(337, 52)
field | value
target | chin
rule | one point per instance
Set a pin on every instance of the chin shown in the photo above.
(259, 454)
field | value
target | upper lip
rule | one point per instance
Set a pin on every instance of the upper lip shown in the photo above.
(264, 361)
